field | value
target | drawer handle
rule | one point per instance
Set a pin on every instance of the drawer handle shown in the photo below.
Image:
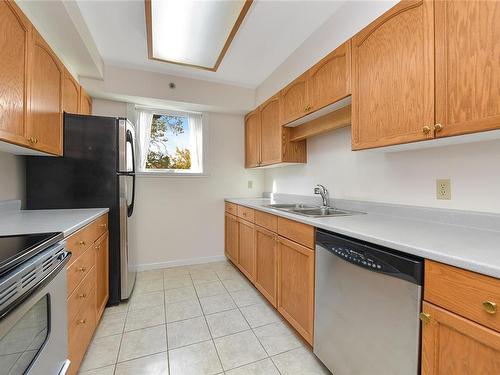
(425, 318)
(103, 225)
(83, 295)
(81, 242)
(490, 307)
(82, 321)
(82, 269)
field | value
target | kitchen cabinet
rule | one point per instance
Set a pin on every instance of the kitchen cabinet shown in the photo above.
(231, 237)
(85, 102)
(71, 94)
(393, 77)
(460, 324)
(88, 286)
(294, 99)
(330, 79)
(467, 37)
(266, 263)
(102, 272)
(271, 132)
(296, 286)
(15, 35)
(454, 345)
(252, 139)
(246, 247)
(44, 129)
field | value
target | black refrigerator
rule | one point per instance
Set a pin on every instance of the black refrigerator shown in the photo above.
(97, 169)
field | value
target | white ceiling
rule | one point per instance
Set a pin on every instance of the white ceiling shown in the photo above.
(271, 31)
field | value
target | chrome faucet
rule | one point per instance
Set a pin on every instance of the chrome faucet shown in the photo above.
(321, 190)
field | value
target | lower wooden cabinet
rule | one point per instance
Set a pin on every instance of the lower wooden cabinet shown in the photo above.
(102, 273)
(231, 237)
(88, 287)
(246, 246)
(452, 345)
(296, 286)
(266, 263)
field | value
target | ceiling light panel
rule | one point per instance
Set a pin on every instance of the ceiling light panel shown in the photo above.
(195, 33)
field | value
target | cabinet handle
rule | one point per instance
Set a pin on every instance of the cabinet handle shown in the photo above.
(83, 295)
(438, 127)
(426, 129)
(81, 242)
(82, 321)
(424, 317)
(103, 225)
(82, 269)
(490, 307)
(35, 140)
(307, 108)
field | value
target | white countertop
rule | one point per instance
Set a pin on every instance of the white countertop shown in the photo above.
(68, 221)
(465, 247)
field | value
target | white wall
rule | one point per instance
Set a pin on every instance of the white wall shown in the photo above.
(405, 177)
(181, 219)
(12, 180)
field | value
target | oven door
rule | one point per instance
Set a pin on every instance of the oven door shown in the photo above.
(33, 335)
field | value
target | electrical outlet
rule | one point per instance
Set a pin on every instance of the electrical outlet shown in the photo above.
(443, 189)
(250, 184)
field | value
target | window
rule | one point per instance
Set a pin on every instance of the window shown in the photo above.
(170, 142)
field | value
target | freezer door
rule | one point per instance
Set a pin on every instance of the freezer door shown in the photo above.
(127, 271)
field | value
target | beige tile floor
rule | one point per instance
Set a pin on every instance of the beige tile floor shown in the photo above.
(204, 319)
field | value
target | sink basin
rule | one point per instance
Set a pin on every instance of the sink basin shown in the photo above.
(290, 206)
(322, 212)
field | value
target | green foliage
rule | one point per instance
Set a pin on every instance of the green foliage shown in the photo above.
(158, 157)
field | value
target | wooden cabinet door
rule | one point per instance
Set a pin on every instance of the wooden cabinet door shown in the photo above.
(246, 260)
(46, 81)
(266, 263)
(85, 102)
(71, 94)
(330, 78)
(393, 77)
(102, 274)
(452, 345)
(294, 100)
(15, 34)
(231, 237)
(467, 66)
(252, 139)
(296, 286)
(271, 132)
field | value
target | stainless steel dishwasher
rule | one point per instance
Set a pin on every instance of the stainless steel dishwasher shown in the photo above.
(367, 305)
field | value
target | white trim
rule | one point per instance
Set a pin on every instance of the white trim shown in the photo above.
(180, 262)
(169, 174)
(166, 112)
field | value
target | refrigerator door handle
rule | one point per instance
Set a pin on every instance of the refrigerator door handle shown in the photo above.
(130, 208)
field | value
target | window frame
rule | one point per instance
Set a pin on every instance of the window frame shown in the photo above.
(169, 173)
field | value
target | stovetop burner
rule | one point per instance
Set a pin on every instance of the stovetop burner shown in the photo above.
(16, 249)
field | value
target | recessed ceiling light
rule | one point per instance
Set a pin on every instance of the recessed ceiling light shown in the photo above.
(193, 32)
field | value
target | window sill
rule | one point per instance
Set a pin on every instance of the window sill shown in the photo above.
(170, 174)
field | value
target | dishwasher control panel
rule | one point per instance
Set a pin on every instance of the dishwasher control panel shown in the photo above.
(362, 259)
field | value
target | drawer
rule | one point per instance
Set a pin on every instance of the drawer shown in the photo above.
(81, 295)
(100, 226)
(266, 220)
(79, 269)
(469, 294)
(232, 208)
(80, 241)
(80, 331)
(295, 231)
(246, 213)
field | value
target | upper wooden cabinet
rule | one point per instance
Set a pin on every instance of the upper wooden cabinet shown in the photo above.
(467, 66)
(294, 100)
(71, 94)
(271, 132)
(330, 79)
(85, 102)
(15, 34)
(252, 139)
(46, 84)
(393, 77)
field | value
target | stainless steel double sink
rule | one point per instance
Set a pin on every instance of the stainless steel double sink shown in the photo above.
(310, 210)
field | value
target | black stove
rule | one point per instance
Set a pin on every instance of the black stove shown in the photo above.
(16, 249)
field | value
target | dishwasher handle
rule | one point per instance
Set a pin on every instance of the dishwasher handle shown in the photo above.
(372, 257)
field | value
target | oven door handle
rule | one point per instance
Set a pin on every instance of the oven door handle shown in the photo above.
(65, 367)
(63, 259)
